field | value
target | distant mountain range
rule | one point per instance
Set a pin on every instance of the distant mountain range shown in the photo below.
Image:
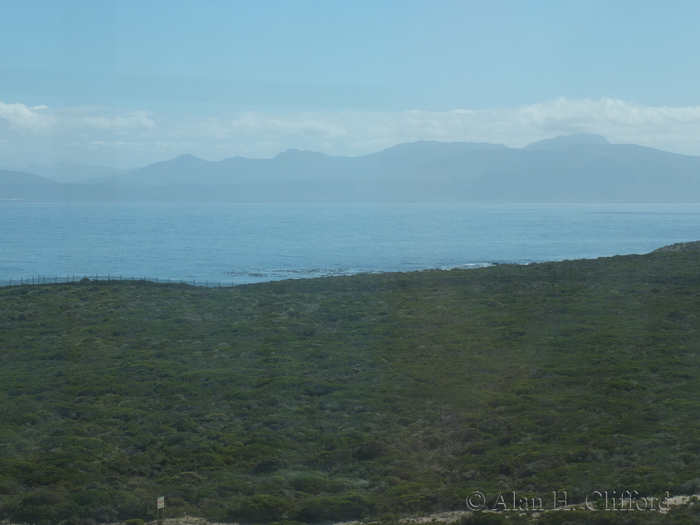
(574, 168)
(71, 172)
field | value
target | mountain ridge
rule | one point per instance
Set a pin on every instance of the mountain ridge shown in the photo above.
(573, 168)
(71, 172)
(563, 142)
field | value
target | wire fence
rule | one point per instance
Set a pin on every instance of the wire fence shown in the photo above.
(61, 279)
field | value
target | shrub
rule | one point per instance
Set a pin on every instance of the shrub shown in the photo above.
(261, 508)
(483, 518)
(339, 508)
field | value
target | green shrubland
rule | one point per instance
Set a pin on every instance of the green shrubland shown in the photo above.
(342, 398)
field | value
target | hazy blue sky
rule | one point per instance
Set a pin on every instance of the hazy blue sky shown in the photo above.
(125, 83)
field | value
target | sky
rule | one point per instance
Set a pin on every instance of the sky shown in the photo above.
(126, 83)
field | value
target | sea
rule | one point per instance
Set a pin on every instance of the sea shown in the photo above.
(245, 243)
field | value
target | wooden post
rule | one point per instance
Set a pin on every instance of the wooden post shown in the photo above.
(160, 509)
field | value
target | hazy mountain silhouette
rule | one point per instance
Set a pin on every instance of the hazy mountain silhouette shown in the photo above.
(19, 185)
(72, 172)
(293, 165)
(573, 168)
(582, 172)
(563, 142)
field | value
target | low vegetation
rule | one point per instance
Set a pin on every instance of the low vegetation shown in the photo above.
(347, 397)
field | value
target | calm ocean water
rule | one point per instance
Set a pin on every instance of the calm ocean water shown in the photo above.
(244, 243)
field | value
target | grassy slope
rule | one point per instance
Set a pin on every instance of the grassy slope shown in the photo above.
(330, 399)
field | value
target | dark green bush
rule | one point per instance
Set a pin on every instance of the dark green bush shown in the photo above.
(44, 507)
(483, 518)
(353, 397)
(343, 507)
(262, 508)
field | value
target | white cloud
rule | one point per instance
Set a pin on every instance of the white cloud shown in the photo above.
(139, 137)
(266, 125)
(83, 119)
(615, 116)
(354, 132)
(118, 123)
(23, 117)
(675, 129)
